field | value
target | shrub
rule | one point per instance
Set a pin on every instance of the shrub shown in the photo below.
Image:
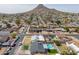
(18, 22)
(66, 28)
(57, 42)
(77, 29)
(25, 47)
(13, 34)
(66, 51)
(52, 51)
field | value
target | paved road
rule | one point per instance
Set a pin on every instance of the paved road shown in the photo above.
(21, 35)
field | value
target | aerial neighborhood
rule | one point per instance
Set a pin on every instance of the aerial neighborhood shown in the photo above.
(41, 31)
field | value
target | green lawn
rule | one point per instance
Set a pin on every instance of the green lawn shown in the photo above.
(52, 52)
(25, 47)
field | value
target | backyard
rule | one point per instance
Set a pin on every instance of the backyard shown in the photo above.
(52, 52)
(65, 50)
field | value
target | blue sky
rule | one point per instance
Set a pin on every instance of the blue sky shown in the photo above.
(65, 7)
(18, 8)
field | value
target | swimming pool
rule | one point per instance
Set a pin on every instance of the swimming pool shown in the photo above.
(48, 46)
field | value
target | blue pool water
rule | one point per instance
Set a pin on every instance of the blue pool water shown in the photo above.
(48, 46)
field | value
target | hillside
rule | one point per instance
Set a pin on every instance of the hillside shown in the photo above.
(44, 13)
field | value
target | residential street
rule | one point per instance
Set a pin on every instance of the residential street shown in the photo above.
(21, 35)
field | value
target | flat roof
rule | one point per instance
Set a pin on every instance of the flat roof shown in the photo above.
(4, 33)
(37, 37)
(37, 47)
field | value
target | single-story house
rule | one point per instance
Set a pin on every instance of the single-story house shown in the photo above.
(73, 47)
(37, 47)
(4, 36)
(37, 38)
(40, 47)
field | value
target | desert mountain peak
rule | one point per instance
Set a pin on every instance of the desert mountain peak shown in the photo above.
(41, 6)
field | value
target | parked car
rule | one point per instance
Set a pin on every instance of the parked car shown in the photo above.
(20, 43)
(6, 53)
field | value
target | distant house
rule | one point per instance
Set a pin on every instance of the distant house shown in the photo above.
(21, 29)
(2, 24)
(73, 24)
(37, 38)
(4, 36)
(14, 28)
(59, 29)
(73, 47)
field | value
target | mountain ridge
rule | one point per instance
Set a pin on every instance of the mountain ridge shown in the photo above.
(38, 7)
(43, 11)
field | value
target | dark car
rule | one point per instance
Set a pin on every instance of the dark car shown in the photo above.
(6, 53)
(17, 39)
(14, 45)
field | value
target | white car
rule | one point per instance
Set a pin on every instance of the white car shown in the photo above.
(20, 43)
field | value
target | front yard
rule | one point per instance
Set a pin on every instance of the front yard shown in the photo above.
(24, 49)
(26, 40)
